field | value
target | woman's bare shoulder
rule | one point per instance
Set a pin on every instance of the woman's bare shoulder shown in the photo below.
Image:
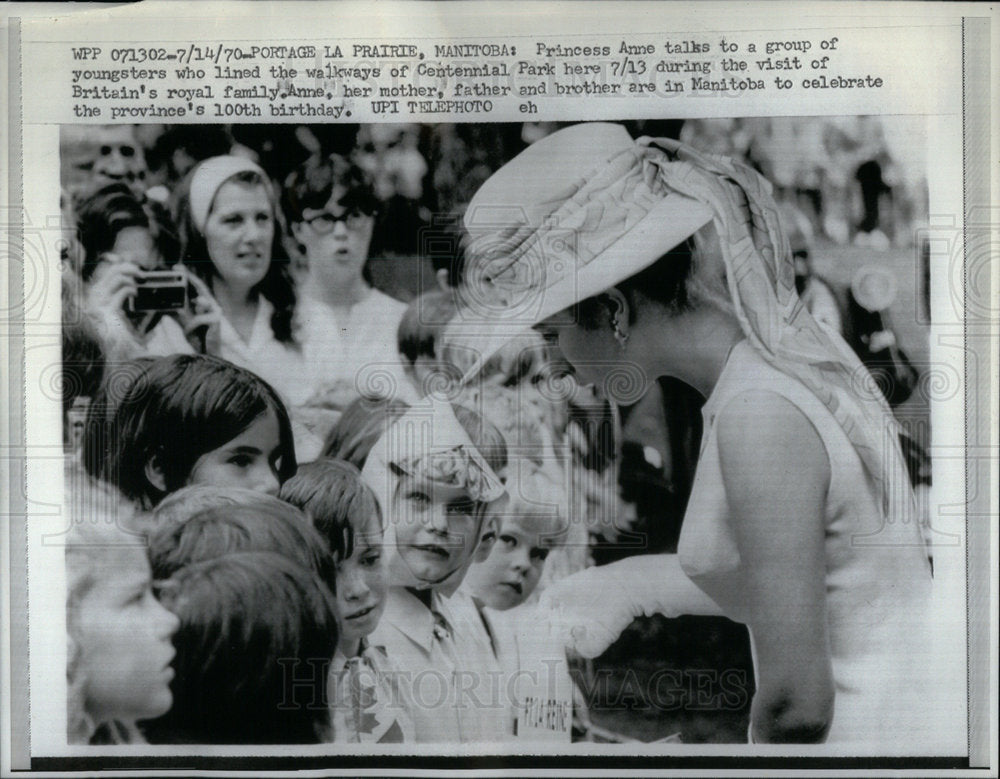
(762, 434)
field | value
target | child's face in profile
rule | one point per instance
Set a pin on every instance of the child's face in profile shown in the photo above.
(362, 582)
(124, 641)
(511, 572)
(252, 460)
(437, 527)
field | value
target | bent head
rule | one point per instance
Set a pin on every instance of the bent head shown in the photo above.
(114, 226)
(586, 212)
(613, 339)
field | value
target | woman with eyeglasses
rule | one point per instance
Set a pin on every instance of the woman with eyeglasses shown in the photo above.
(226, 214)
(347, 327)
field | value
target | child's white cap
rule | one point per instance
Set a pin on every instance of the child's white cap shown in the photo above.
(430, 444)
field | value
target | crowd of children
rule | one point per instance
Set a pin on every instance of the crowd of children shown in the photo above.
(361, 576)
(342, 600)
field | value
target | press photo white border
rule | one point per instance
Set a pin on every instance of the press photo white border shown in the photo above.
(43, 460)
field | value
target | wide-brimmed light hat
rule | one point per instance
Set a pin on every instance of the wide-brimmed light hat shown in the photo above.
(571, 216)
(587, 207)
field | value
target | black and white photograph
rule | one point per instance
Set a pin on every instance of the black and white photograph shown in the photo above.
(651, 448)
(499, 391)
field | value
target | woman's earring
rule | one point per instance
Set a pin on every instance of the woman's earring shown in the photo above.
(621, 336)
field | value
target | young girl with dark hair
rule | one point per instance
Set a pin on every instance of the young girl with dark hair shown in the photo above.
(193, 419)
(257, 631)
(347, 327)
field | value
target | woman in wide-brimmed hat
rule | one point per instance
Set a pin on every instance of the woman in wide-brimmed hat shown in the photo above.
(649, 259)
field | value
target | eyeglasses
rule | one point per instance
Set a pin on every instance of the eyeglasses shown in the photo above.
(324, 222)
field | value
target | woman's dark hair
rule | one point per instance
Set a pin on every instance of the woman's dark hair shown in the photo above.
(264, 524)
(339, 502)
(276, 286)
(444, 243)
(665, 282)
(311, 185)
(83, 354)
(179, 408)
(257, 632)
(111, 209)
(360, 426)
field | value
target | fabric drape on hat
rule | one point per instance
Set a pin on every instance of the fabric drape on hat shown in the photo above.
(586, 219)
(761, 278)
(567, 218)
(608, 221)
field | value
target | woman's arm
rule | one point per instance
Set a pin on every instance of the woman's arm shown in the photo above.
(776, 473)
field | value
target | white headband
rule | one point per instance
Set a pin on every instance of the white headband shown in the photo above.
(209, 176)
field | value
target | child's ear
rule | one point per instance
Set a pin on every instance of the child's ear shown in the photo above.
(487, 537)
(154, 474)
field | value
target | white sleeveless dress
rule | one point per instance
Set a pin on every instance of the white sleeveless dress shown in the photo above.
(878, 579)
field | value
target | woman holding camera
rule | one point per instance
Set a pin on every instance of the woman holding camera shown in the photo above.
(230, 240)
(126, 245)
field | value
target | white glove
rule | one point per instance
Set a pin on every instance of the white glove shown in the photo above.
(590, 609)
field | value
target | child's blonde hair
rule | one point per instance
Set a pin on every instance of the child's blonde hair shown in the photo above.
(103, 526)
(537, 498)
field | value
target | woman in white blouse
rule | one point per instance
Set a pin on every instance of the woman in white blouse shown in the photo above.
(347, 327)
(230, 238)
